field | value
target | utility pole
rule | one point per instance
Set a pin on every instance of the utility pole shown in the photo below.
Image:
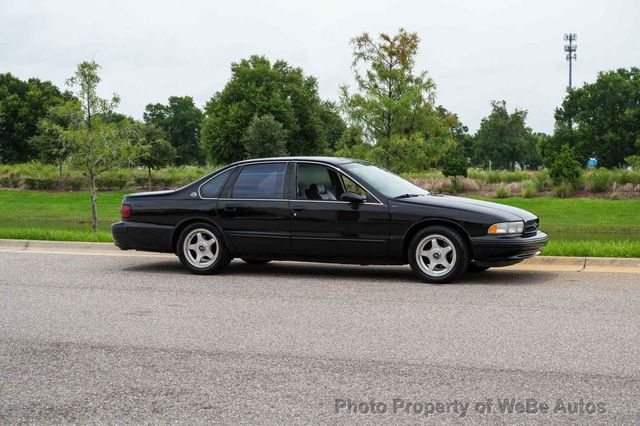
(570, 48)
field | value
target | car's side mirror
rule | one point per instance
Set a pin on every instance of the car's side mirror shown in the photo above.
(352, 198)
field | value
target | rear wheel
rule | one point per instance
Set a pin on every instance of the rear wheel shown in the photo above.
(256, 261)
(438, 254)
(201, 249)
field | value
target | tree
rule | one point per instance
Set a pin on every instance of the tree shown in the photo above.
(154, 151)
(333, 125)
(504, 139)
(180, 120)
(565, 168)
(98, 146)
(390, 94)
(258, 87)
(602, 119)
(455, 162)
(265, 137)
(22, 105)
(51, 142)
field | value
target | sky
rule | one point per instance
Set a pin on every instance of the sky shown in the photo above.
(476, 51)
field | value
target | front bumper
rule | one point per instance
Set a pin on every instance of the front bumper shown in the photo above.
(143, 236)
(494, 250)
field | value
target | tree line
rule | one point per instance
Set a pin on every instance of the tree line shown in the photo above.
(389, 117)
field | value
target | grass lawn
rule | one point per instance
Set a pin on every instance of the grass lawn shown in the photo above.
(578, 227)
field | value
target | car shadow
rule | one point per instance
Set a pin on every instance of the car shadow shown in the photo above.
(401, 274)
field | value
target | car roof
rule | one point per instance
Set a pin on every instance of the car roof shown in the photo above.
(320, 159)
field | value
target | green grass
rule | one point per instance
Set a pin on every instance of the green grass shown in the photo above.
(578, 227)
(60, 216)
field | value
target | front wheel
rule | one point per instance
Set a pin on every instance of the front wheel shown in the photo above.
(438, 254)
(201, 249)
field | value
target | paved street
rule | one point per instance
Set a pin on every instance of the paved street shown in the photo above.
(106, 338)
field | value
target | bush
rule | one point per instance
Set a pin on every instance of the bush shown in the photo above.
(11, 180)
(455, 163)
(562, 190)
(599, 180)
(565, 167)
(528, 189)
(542, 180)
(41, 183)
(74, 183)
(107, 182)
(502, 192)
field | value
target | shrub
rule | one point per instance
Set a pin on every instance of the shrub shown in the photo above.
(74, 183)
(528, 189)
(11, 180)
(42, 183)
(565, 168)
(599, 180)
(542, 180)
(106, 182)
(455, 163)
(502, 192)
(562, 190)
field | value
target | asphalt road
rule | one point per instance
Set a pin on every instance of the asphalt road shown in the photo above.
(106, 339)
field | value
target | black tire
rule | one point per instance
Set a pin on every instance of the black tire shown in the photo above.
(212, 264)
(256, 261)
(475, 269)
(441, 265)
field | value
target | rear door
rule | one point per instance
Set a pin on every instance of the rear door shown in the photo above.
(322, 226)
(254, 210)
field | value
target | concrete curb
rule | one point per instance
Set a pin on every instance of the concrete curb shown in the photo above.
(539, 263)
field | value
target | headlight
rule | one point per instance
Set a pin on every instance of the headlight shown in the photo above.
(506, 228)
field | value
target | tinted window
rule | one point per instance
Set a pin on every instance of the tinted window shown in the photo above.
(316, 182)
(212, 188)
(260, 181)
(351, 186)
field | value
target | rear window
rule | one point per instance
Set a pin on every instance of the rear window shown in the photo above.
(212, 188)
(260, 181)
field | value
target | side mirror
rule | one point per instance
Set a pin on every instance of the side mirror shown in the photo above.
(352, 197)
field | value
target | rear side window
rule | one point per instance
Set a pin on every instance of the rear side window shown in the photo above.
(212, 188)
(260, 181)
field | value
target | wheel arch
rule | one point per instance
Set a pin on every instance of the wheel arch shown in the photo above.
(175, 236)
(417, 227)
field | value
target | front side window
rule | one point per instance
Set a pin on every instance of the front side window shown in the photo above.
(212, 188)
(316, 182)
(322, 183)
(260, 181)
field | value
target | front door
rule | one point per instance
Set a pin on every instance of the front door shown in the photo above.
(323, 226)
(254, 211)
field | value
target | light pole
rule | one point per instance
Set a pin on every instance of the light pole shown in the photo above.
(571, 55)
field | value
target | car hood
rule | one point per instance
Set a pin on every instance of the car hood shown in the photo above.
(460, 203)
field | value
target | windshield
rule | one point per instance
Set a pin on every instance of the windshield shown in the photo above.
(383, 181)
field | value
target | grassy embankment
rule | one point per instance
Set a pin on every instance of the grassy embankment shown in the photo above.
(578, 227)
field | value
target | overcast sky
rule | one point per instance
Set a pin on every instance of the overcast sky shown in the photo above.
(475, 51)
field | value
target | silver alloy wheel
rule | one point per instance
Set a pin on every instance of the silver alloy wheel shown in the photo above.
(200, 248)
(436, 255)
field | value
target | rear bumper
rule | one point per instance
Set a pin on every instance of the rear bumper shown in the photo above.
(507, 250)
(143, 236)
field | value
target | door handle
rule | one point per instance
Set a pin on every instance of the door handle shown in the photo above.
(230, 208)
(298, 208)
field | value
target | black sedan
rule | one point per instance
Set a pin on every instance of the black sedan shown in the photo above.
(324, 209)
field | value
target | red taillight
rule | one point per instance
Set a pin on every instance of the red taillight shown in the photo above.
(125, 211)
